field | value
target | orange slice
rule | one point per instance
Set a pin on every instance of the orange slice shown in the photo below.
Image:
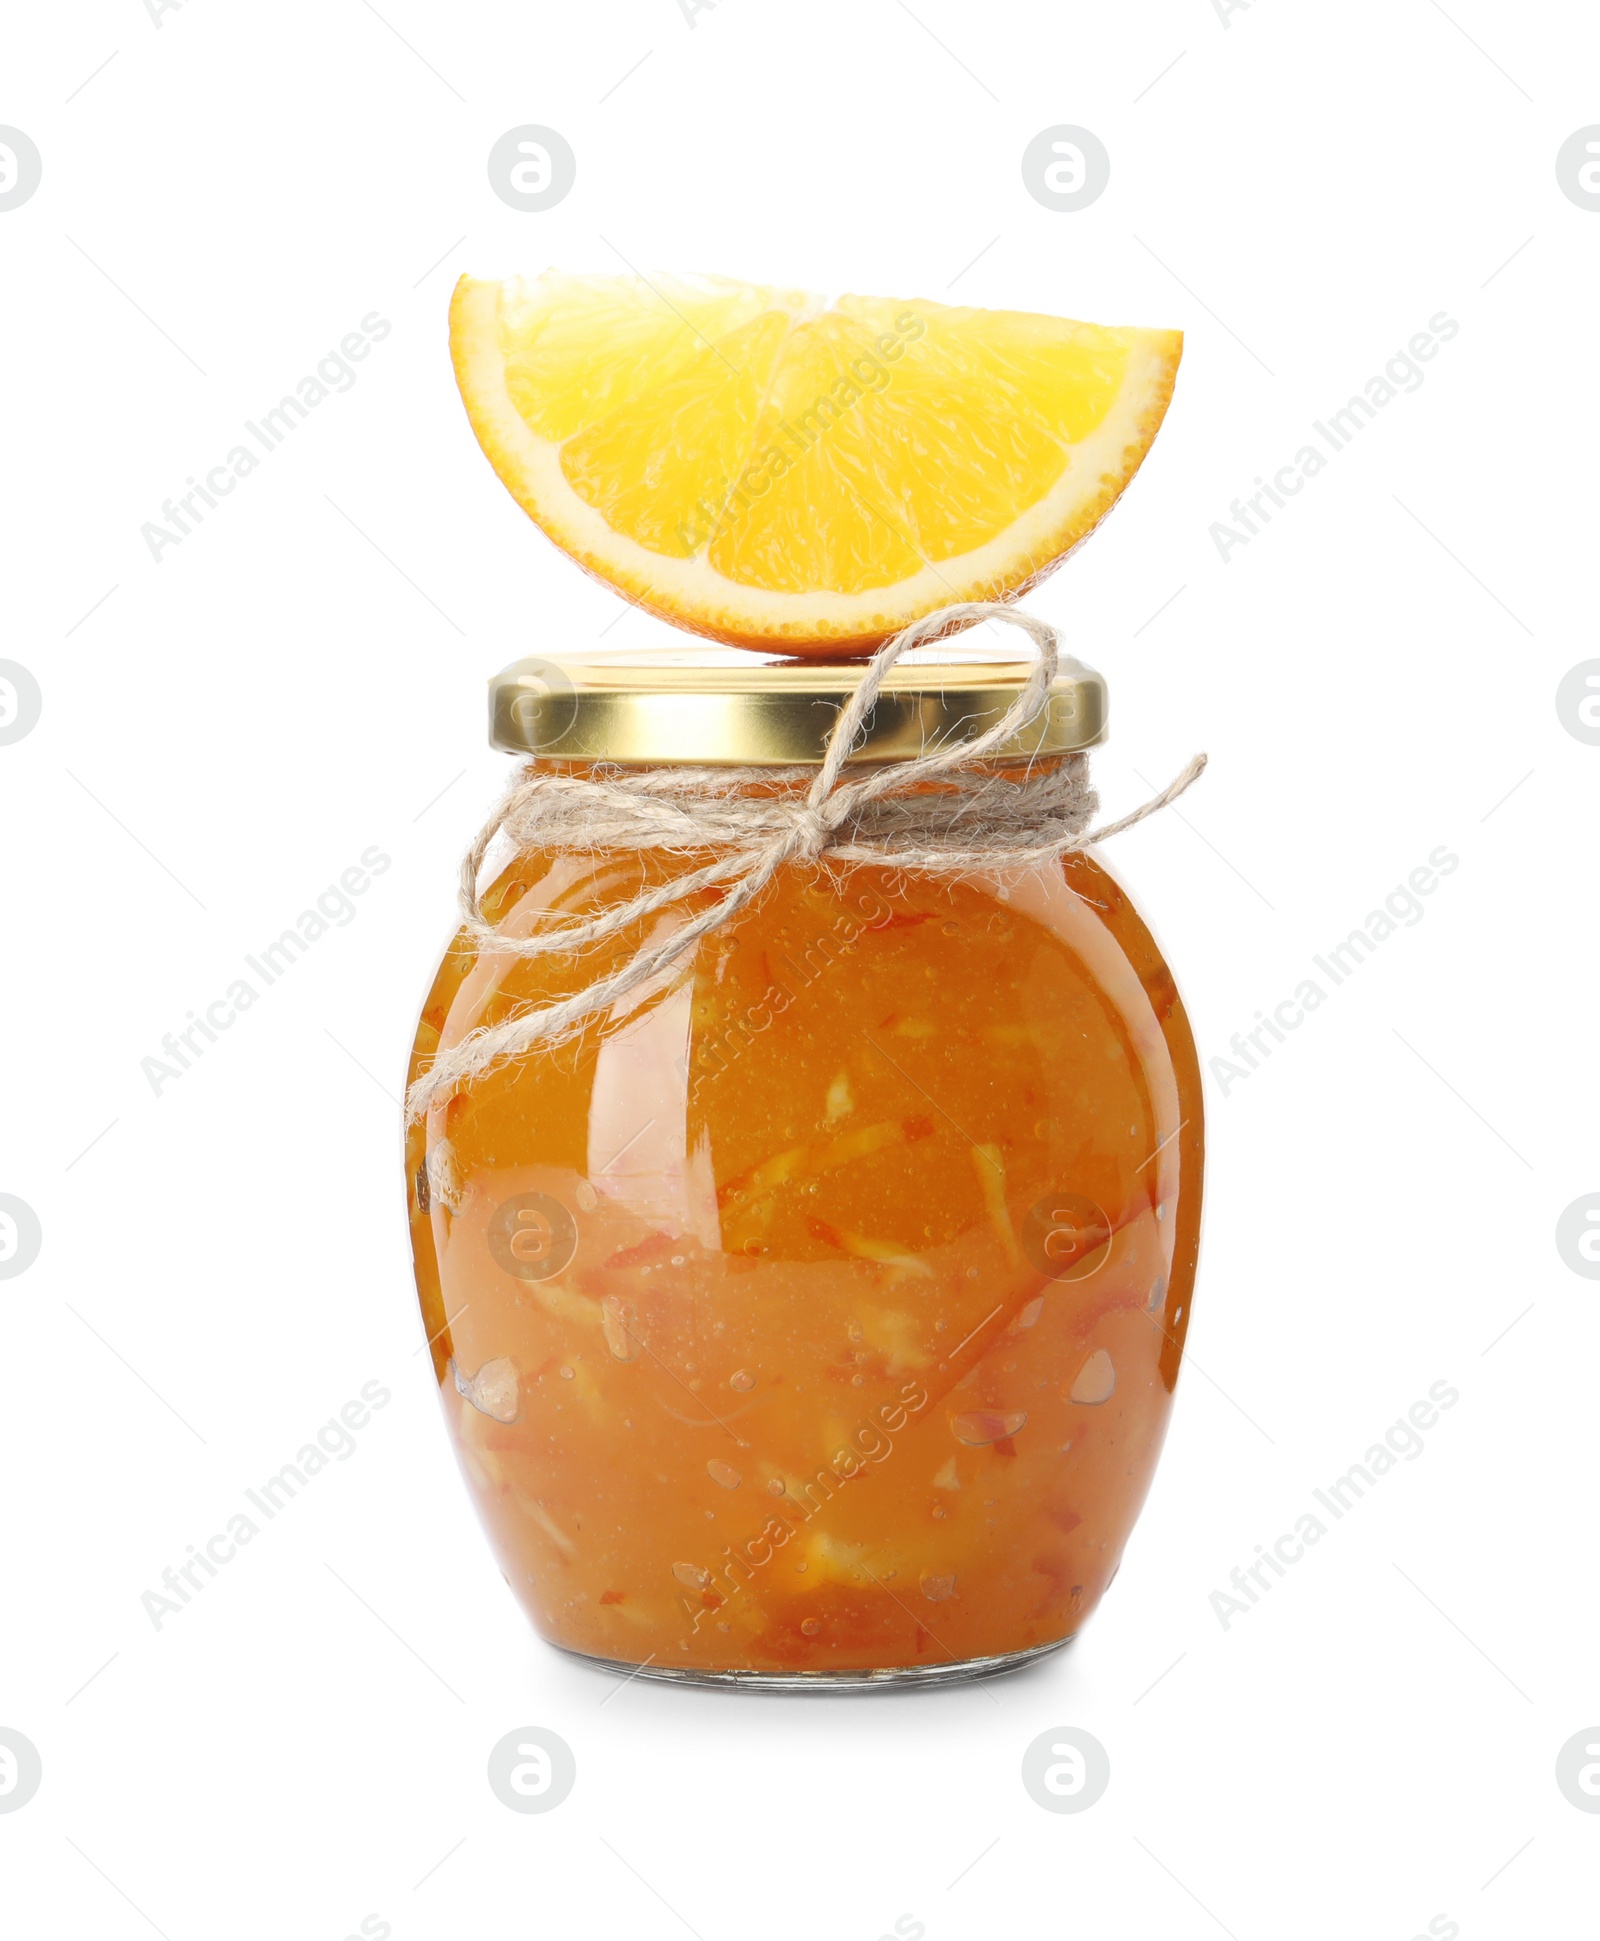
(777, 472)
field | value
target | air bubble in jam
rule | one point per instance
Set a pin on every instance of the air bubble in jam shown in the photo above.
(724, 1473)
(936, 1586)
(810, 1627)
(1096, 1380)
(742, 1380)
(692, 1577)
(979, 1427)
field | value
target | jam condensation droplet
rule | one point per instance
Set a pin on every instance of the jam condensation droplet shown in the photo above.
(979, 1427)
(691, 1576)
(742, 1380)
(936, 1586)
(724, 1473)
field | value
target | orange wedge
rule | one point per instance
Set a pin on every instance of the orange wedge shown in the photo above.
(779, 472)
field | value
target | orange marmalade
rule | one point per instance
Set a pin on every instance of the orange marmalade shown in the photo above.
(817, 1320)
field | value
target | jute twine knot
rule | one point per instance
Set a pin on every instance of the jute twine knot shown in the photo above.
(938, 814)
(812, 835)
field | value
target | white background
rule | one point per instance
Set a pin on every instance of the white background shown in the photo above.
(1373, 1745)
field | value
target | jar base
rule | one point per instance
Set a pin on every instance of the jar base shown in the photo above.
(892, 1677)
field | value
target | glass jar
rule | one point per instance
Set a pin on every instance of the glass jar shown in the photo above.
(816, 1321)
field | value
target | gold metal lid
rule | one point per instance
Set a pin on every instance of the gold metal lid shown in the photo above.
(711, 706)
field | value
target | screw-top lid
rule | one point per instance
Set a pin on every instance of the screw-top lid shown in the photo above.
(711, 706)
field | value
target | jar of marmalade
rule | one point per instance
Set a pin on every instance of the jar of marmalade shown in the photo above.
(813, 1319)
